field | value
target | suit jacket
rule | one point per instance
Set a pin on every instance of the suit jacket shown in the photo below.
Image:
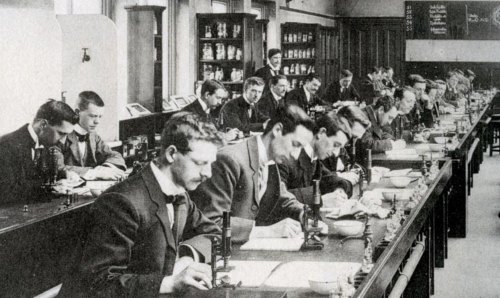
(400, 128)
(266, 74)
(375, 137)
(298, 97)
(267, 104)
(131, 247)
(19, 178)
(298, 174)
(196, 108)
(99, 153)
(234, 187)
(370, 89)
(333, 93)
(234, 114)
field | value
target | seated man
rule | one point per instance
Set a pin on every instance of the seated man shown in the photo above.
(342, 90)
(452, 95)
(273, 67)
(20, 179)
(246, 180)
(331, 134)
(274, 97)
(388, 78)
(306, 96)
(430, 110)
(133, 247)
(380, 114)
(405, 100)
(418, 83)
(84, 151)
(372, 86)
(241, 112)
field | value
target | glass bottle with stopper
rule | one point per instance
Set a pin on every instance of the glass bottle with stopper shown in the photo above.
(310, 221)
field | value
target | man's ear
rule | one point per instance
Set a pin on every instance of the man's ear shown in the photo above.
(77, 111)
(170, 152)
(277, 130)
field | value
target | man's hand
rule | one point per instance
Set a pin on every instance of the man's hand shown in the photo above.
(195, 275)
(231, 134)
(398, 144)
(287, 228)
(349, 176)
(108, 173)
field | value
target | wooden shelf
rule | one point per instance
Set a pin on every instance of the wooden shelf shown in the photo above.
(309, 59)
(309, 43)
(221, 61)
(221, 39)
(232, 83)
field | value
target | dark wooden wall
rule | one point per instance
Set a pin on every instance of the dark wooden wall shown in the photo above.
(487, 73)
(368, 42)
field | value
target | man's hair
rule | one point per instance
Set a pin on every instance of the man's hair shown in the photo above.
(387, 68)
(185, 127)
(275, 79)
(211, 86)
(400, 92)
(253, 81)
(451, 74)
(88, 97)
(311, 76)
(415, 78)
(333, 124)
(290, 117)
(375, 69)
(386, 102)
(354, 114)
(430, 84)
(345, 73)
(273, 52)
(55, 112)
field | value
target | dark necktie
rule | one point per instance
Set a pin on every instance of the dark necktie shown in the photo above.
(82, 138)
(175, 199)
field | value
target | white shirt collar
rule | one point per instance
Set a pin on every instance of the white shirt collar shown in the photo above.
(167, 186)
(308, 94)
(33, 135)
(310, 152)
(276, 97)
(204, 105)
(273, 68)
(80, 129)
(263, 158)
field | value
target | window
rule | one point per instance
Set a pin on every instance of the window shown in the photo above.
(219, 7)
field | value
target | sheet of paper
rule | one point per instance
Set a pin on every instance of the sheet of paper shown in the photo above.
(296, 274)
(99, 184)
(402, 152)
(281, 244)
(252, 274)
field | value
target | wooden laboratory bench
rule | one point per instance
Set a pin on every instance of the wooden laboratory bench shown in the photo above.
(36, 245)
(467, 158)
(420, 225)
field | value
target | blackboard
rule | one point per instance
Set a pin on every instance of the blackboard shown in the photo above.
(475, 20)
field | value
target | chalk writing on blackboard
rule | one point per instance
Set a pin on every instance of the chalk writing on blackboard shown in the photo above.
(437, 19)
(495, 17)
(409, 18)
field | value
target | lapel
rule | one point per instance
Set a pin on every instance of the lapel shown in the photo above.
(253, 154)
(305, 165)
(180, 214)
(198, 109)
(370, 112)
(243, 106)
(157, 196)
(93, 144)
(72, 143)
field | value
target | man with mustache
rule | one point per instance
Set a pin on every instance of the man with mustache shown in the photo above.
(147, 236)
(246, 180)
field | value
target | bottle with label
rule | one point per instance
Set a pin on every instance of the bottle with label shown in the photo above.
(285, 37)
(234, 75)
(297, 68)
(208, 32)
(310, 38)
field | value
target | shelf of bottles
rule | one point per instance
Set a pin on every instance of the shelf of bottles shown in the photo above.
(221, 50)
(299, 53)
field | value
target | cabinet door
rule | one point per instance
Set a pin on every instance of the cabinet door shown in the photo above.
(328, 64)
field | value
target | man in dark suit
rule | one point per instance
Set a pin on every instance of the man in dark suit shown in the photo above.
(331, 135)
(241, 112)
(342, 90)
(405, 99)
(380, 114)
(246, 180)
(147, 236)
(274, 97)
(273, 68)
(20, 167)
(84, 151)
(372, 87)
(306, 96)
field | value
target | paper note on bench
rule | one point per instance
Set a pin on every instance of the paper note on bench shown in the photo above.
(297, 274)
(281, 244)
(402, 154)
(252, 274)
